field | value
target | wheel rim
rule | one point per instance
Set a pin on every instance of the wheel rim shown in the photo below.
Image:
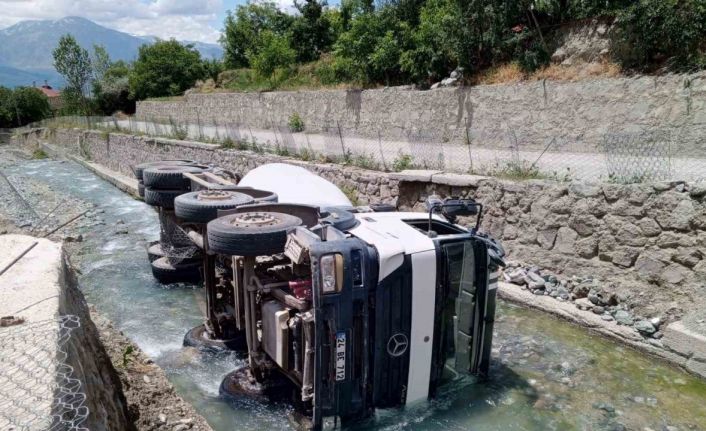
(214, 195)
(246, 220)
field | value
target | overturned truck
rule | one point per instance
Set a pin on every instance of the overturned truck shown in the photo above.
(340, 309)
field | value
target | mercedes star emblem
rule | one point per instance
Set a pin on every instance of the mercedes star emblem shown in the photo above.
(397, 345)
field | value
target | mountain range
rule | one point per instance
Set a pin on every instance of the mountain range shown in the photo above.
(26, 48)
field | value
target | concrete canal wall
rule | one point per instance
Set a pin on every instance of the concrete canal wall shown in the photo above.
(574, 114)
(56, 356)
(641, 246)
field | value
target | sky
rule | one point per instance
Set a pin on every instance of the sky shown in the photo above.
(193, 20)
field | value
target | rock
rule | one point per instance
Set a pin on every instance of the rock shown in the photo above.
(181, 427)
(625, 257)
(162, 418)
(648, 267)
(559, 55)
(515, 276)
(121, 232)
(674, 273)
(583, 304)
(658, 335)
(649, 227)
(454, 75)
(656, 321)
(565, 239)
(645, 327)
(581, 291)
(146, 378)
(587, 248)
(622, 317)
(435, 85)
(585, 190)
(689, 257)
(607, 407)
(607, 317)
(534, 281)
(546, 238)
(448, 82)
(598, 309)
(698, 190)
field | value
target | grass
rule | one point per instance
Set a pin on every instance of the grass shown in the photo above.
(39, 154)
(512, 73)
(351, 194)
(165, 99)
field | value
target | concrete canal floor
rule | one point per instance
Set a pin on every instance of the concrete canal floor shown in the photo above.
(547, 374)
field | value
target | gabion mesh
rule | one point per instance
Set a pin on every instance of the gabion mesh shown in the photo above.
(427, 149)
(175, 242)
(636, 157)
(38, 390)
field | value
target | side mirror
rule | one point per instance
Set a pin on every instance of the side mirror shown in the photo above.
(454, 207)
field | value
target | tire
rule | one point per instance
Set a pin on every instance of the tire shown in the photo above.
(139, 169)
(203, 206)
(383, 208)
(141, 189)
(250, 233)
(198, 337)
(155, 251)
(171, 177)
(161, 198)
(184, 272)
(339, 218)
(240, 386)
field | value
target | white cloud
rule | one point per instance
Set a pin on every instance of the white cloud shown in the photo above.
(181, 19)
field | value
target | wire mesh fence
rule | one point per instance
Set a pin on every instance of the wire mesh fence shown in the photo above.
(38, 388)
(622, 156)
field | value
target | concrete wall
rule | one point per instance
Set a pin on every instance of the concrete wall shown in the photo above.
(108, 408)
(649, 240)
(577, 114)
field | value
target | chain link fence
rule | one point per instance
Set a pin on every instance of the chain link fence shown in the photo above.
(38, 388)
(634, 154)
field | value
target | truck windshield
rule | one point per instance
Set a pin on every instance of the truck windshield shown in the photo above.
(459, 305)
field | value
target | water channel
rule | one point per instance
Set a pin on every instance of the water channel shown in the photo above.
(547, 374)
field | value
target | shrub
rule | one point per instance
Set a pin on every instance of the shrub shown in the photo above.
(273, 52)
(296, 124)
(402, 162)
(669, 32)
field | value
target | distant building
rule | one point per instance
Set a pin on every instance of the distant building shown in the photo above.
(54, 96)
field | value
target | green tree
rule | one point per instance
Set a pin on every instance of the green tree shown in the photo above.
(112, 92)
(371, 48)
(165, 68)
(7, 108)
(659, 33)
(241, 30)
(311, 32)
(271, 52)
(436, 42)
(74, 63)
(22, 105)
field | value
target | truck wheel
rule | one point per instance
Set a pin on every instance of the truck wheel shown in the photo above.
(240, 385)
(203, 206)
(161, 198)
(139, 169)
(183, 272)
(141, 189)
(339, 218)
(250, 233)
(260, 196)
(155, 251)
(171, 177)
(198, 337)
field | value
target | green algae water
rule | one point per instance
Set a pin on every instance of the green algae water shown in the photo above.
(546, 374)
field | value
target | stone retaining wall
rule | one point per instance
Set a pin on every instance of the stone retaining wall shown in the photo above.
(576, 114)
(648, 241)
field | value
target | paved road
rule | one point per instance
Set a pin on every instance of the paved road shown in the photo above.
(448, 157)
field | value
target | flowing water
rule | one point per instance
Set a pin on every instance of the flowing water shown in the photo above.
(547, 374)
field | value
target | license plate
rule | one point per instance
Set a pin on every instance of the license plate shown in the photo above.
(340, 356)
